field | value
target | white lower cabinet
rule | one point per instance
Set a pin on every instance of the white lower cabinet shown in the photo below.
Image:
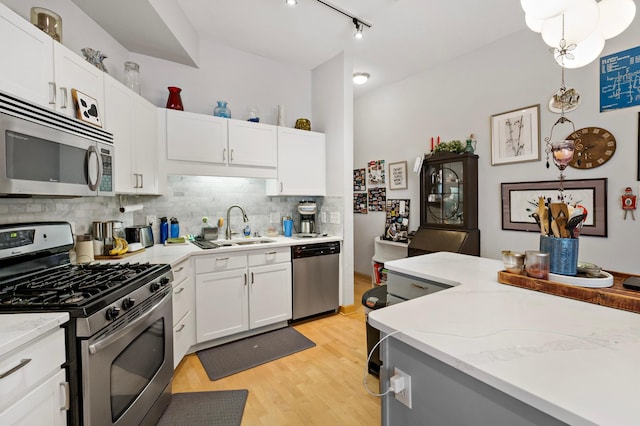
(241, 291)
(34, 390)
(184, 326)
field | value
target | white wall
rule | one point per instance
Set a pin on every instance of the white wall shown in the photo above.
(458, 98)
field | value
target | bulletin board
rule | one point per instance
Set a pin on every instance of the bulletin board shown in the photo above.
(396, 227)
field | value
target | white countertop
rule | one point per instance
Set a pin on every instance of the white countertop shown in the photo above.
(176, 253)
(18, 329)
(575, 361)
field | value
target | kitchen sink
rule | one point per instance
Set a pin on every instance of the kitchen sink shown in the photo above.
(243, 242)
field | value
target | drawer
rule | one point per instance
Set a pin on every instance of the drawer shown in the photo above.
(220, 262)
(406, 287)
(183, 299)
(47, 354)
(269, 256)
(184, 336)
(181, 271)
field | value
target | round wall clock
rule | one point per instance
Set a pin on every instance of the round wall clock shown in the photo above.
(594, 147)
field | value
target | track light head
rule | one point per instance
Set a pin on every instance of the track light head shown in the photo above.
(358, 34)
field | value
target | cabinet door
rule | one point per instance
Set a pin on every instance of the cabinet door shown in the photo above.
(184, 336)
(269, 294)
(145, 136)
(301, 164)
(196, 137)
(252, 144)
(71, 71)
(27, 59)
(221, 304)
(44, 405)
(118, 120)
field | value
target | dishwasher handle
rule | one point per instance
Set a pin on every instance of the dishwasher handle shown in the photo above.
(317, 249)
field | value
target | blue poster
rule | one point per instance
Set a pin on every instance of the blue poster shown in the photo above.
(620, 80)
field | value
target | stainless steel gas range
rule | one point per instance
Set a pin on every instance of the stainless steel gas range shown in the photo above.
(119, 340)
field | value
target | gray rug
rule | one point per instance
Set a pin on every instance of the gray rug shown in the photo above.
(218, 408)
(241, 355)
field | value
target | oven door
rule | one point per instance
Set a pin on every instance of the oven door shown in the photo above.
(126, 370)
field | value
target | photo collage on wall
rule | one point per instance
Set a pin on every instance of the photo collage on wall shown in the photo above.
(396, 226)
(359, 185)
(377, 198)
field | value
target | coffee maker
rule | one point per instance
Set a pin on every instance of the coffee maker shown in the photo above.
(307, 210)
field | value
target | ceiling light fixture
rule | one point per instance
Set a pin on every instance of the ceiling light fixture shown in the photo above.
(359, 23)
(361, 77)
(580, 26)
(291, 2)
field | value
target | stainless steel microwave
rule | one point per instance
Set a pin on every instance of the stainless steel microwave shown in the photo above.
(47, 153)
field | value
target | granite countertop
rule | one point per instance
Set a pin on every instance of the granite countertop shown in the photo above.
(575, 361)
(18, 329)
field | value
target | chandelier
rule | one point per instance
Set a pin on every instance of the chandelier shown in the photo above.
(576, 30)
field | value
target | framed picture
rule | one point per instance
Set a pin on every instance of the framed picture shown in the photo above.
(377, 198)
(360, 202)
(515, 136)
(359, 180)
(639, 146)
(520, 200)
(86, 108)
(396, 226)
(375, 173)
(398, 175)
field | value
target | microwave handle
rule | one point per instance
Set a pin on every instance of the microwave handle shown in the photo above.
(93, 152)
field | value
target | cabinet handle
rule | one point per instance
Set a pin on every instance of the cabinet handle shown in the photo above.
(270, 252)
(141, 180)
(52, 93)
(182, 326)
(179, 269)
(221, 258)
(281, 187)
(252, 278)
(63, 92)
(179, 291)
(22, 363)
(231, 156)
(66, 397)
(224, 154)
(245, 279)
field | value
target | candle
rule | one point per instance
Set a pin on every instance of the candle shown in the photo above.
(431, 143)
(438, 140)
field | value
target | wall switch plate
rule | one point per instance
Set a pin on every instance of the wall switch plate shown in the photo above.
(404, 396)
(335, 217)
(151, 220)
(323, 217)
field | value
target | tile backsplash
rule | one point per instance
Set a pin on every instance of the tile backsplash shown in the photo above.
(188, 198)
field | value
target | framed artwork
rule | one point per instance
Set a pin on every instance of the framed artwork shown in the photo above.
(515, 136)
(520, 200)
(360, 180)
(86, 108)
(396, 227)
(639, 146)
(375, 173)
(360, 203)
(398, 175)
(377, 199)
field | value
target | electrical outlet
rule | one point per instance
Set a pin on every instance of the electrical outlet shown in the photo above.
(404, 396)
(151, 220)
(323, 217)
(334, 217)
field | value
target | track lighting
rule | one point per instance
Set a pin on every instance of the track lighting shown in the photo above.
(358, 35)
(359, 23)
(360, 77)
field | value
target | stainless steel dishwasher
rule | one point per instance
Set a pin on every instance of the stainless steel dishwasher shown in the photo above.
(316, 278)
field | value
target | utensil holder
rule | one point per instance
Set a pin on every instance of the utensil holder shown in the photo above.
(563, 254)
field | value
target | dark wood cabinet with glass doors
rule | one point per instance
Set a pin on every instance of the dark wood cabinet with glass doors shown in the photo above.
(448, 205)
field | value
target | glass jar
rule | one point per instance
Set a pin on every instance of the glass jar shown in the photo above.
(132, 76)
(222, 110)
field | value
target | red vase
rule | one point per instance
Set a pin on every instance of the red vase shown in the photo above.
(174, 101)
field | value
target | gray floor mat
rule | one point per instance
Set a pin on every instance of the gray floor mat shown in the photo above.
(217, 408)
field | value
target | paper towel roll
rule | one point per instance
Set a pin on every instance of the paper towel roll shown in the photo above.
(131, 208)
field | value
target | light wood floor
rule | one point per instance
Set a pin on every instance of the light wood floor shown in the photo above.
(318, 386)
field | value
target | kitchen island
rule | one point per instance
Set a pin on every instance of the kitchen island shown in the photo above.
(482, 352)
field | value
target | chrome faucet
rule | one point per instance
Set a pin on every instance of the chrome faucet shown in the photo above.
(244, 218)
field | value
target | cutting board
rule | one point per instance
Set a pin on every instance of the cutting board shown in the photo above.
(116, 256)
(616, 297)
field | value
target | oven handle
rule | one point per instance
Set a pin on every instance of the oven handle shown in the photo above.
(110, 338)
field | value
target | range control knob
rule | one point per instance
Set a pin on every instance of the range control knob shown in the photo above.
(164, 281)
(128, 303)
(154, 287)
(112, 313)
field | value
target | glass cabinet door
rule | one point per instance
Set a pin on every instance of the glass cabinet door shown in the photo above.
(444, 196)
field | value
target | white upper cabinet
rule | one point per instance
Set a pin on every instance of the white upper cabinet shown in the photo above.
(27, 59)
(205, 145)
(301, 164)
(133, 122)
(41, 70)
(252, 144)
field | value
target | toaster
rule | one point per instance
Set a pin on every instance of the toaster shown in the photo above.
(139, 234)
